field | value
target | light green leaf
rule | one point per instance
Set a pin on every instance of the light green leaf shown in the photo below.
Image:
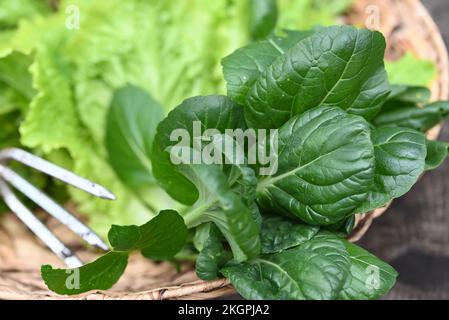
(304, 14)
(12, 11)
(52, 124)
(325, 167)
(411, 71)
(53, 105)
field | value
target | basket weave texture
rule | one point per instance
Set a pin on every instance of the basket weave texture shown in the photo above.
(407, 26)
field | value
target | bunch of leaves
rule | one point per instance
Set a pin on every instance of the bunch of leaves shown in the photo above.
(349, 142)
(61, 111)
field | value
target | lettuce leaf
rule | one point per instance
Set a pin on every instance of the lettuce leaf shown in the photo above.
(11, 11)
(411, 70)
(304, 14)
(52, 123)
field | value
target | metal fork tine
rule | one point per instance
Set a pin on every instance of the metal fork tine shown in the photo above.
(55, 171)
(54, 209)
(38, 228)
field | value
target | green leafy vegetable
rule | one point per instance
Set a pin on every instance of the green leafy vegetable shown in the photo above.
(279, 234)
(349, 141)
(244, 66)
(52, 125)
(212, 256)
(101, 274)
(437, 152)
(131, 126)
(316, 269)
(243, 181)
(174, 55)
(410, 116)
(159, 239)
(326, 167)
(344, 227)
(264, 15)
(370, 277)
(400, 159)
(219, 204)
(336, 66)
(405, 93)
(210, 112)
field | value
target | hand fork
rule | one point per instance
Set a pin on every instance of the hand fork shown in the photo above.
(10, 178)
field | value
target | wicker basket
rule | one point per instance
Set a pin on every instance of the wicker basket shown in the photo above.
(408, 27)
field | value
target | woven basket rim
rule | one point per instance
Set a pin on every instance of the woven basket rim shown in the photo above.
(412, 10)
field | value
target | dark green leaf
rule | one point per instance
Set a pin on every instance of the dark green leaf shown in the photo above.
(316, 269)
(410, 116)
(264, 15)
(160, 238)
(336, 66)
(437, 152)
(348, 226)
(124, 238)
(9, 135)
(101, 274)
(245, 65)
(326, 167)
(219, 204)
(400, 158)
(279, 233)
(243, 182)
(412, 94)
(131, 126)
(370, 278)
(343, 228)
(213, 256)
(213, 112)
(201, 235)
